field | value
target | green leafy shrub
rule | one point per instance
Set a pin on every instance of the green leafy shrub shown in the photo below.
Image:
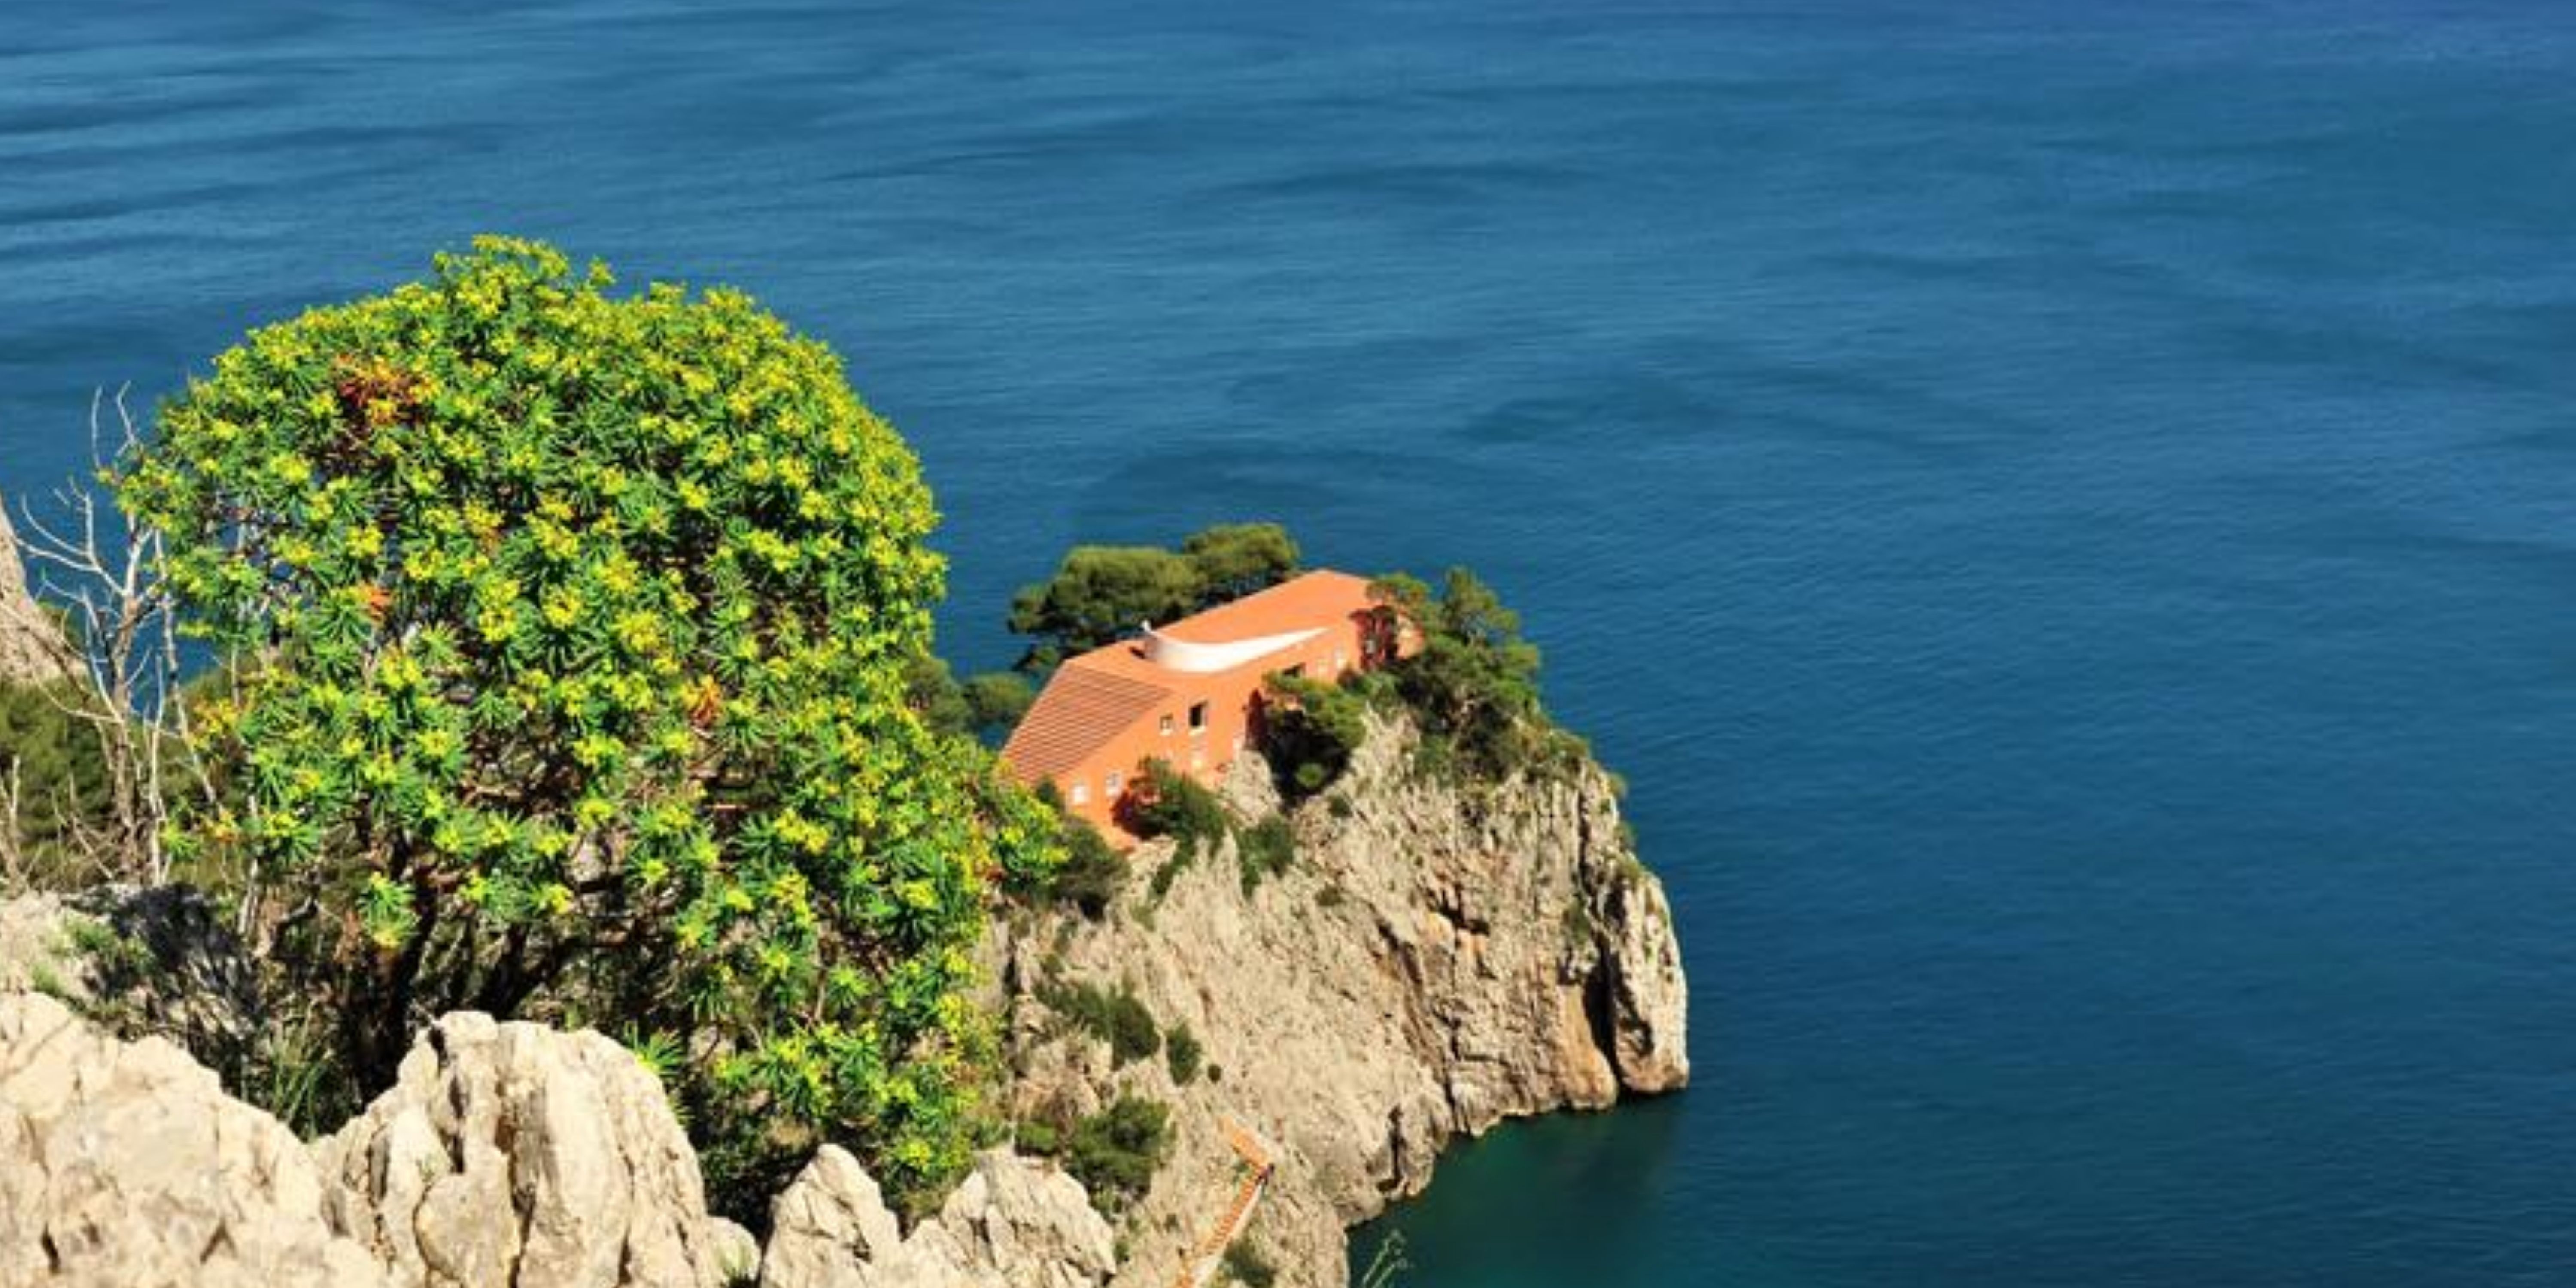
(1182, 1053)
(1265, 849)
(1244, 1264)
(1114, 1016)
(1115, 1152)
(1310, 729)
(1039, 1139)
(1176, 805)
(995, 701)
(1093, 871)
(1103, 593)
(60, 775)
(585, 629)
(983, 707)
(1472, 685)
(1173, 865)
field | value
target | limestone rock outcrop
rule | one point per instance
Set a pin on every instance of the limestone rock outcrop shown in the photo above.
(123, 1165)
(32, 647)
(136, 961)
(515, 1156)
(1439, 958)
(1013, 1223)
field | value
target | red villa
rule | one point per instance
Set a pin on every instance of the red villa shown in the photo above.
(1187, 692)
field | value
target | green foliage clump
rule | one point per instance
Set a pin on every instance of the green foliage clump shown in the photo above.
(995, 700)
(1182, 1053)
(1038, 1138)
(1115, 1016)
(1244, 1264)
(984, 706)
(1169, 803)
(1115, 1152)
(575, 638)
(1093, 871)
(1176, 805)
(1104, 593)
(60, 774)
(1236, 559)
(1265, 849)
(1310, 729)
(1472, 685)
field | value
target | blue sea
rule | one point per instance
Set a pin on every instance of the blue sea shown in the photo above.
(2064, 512)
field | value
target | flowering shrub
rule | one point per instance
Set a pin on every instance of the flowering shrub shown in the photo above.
(573, 635)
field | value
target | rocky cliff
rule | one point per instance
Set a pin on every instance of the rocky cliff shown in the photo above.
(32, 647)
(1438, 958)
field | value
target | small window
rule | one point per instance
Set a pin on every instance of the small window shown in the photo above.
(1081, 793)
(1109, 790)
(1297, 670)
(1341, 660)
(1198, 717)
(1167, 726)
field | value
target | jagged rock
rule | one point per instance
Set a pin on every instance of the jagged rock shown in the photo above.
(1649, 999)
(1013, 1223)
(515, 1156)
(1439, 958)
(136, 962)
(123, 1165)
(33, 649)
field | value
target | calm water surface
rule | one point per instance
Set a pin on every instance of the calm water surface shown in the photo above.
(2066, 512)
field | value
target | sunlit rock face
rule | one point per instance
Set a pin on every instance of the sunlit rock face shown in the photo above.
(1437, 959)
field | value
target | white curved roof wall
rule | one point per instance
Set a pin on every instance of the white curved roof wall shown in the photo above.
(1192, 658)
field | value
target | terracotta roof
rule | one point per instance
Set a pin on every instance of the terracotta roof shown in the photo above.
(1320, 598)
(1309, 599)
(1081, 708)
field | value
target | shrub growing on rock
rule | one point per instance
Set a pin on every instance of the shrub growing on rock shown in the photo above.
(1171, 803)
(1092, 873)
(1182, 1054)
(1310, 729)
(1472, 685)
(1114, 1016)
(1265, 849)
(573, 636)
(1115, 1152)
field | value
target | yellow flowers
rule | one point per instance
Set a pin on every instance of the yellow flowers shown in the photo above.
(803, 833)
(640, 633)
(563, 606)
(397, 671)
(619, 576)
(496, 622)
(633, 580)
(557, 541)
(482, 520)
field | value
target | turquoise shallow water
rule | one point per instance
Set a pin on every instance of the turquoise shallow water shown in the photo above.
(2062, 511)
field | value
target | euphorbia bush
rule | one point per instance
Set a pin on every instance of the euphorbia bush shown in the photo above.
(574, 632)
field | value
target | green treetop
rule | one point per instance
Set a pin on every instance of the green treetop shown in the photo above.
(1104, 593)
(573, 635)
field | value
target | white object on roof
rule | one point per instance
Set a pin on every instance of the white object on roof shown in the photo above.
(1192, 658)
